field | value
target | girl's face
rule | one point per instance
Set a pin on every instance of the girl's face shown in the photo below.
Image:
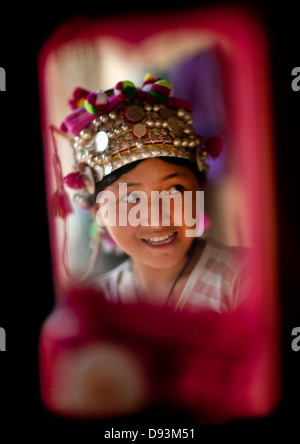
(154, 233)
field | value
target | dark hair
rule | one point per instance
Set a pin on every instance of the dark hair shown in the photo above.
(115, 175)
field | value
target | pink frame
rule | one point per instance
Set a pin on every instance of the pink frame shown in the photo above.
(249, 111)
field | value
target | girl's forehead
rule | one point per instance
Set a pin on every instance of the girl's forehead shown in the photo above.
(154, 169)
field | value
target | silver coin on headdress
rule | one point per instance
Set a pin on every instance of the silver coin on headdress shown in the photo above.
(174, 125)
(134, 113)
(139, 130)
(101, 141)
(166, 113)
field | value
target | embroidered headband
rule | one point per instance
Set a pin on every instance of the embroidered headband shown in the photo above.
(119, 126)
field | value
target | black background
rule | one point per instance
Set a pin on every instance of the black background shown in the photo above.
(27, 288)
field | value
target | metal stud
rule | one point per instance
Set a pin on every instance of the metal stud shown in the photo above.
(147, 107)
(86, 134)
(107, 169)
(181, 112)
(113, 115)
(104, 118)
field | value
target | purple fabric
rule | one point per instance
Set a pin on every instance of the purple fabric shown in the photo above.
(198, 80)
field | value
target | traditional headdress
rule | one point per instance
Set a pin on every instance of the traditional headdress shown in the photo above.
(119, 126)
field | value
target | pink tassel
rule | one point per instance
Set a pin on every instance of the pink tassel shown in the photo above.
(74, 180)
(214, 146)
(60, 204)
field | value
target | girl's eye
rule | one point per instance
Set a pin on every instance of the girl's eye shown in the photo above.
(130, 198)
(175, 189)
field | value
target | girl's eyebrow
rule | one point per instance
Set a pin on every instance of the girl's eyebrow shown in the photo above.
(163, 179)
(131, 184)
(170, 176)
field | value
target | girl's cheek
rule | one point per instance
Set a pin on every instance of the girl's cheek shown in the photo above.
(117, 235)
(122, 234)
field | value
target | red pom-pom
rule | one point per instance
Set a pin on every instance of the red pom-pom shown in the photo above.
(74, 180)
(214, 146)
(78, 96)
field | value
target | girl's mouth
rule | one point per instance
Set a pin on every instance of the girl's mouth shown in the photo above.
(161, 240)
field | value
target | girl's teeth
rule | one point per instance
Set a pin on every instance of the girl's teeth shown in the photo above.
(162, 239)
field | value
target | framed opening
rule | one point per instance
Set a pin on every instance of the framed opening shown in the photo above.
(218, 60)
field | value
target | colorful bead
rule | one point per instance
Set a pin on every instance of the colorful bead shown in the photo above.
(161, 90)
(96, 102)
(126, 89)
